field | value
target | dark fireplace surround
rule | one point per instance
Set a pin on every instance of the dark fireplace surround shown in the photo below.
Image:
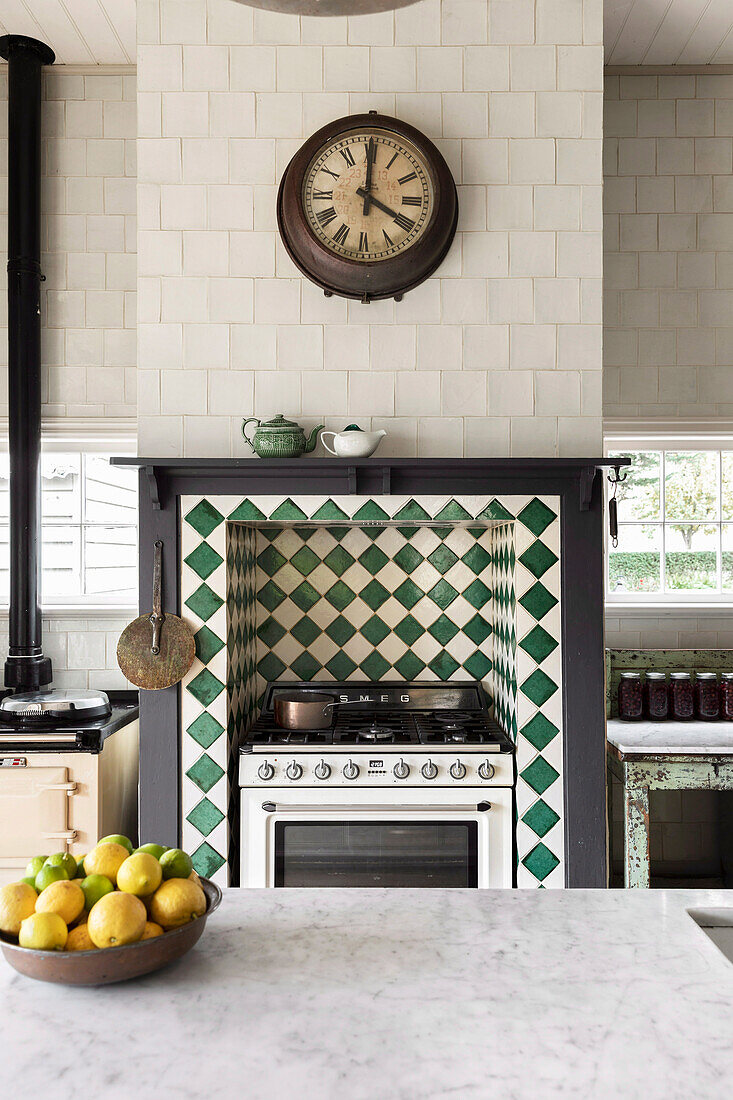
(578, 484)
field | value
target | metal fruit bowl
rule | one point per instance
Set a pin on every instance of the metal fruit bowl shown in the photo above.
(112, 964)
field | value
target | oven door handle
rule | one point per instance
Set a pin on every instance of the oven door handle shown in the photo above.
(292, 808)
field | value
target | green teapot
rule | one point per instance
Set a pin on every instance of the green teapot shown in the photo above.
(280, 438)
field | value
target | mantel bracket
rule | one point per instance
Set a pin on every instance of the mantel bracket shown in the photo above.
(351, 480)
(386, 480)
(153, 488)
(587, 477)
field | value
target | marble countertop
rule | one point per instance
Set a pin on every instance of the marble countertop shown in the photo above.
(689, 738)
(399, 994)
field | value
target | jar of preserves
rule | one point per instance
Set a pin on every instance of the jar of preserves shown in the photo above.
(629, 697)
(726, 696)
(707, 703)
(656, 696)
(681, 706)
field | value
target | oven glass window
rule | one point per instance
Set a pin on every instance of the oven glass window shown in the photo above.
(376, 853)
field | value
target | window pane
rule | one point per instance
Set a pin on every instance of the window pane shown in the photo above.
(61, 562)
(691, 556)
(110, 563)
(638, 496)
(727, 557)
(61, 488)
(691, 484)
(727, 484)
(635, 565)
(110, 492)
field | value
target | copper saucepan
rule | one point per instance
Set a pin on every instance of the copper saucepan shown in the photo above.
(311, 710)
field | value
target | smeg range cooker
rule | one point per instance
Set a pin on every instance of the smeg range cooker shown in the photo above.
(412, 786)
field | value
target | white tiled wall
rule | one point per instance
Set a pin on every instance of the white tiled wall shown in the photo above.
(672, 629)
(83, 651)
(88, 240)
(668, 335)
(499, 354)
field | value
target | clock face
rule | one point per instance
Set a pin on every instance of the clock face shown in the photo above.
(367, 195)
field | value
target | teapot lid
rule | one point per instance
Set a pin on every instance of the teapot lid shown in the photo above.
(353, 428)
(279, 421)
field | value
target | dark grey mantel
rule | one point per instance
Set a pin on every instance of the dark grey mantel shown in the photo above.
(577, 481)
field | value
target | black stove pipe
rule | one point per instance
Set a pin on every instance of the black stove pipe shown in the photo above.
(26, 669)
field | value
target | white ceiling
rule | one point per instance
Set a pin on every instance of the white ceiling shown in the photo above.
(636, 32)
(80, 32)
(668, 32)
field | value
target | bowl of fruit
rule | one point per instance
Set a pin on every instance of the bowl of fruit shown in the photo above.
(115, 914)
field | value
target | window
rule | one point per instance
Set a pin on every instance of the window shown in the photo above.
(89, 527)
(675, 516)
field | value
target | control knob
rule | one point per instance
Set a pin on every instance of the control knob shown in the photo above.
(294, 770)
(458, 770)
(486, 770)
(266, 770)
(429, 770)
(401, 770)
(351, 770)
(322, 770)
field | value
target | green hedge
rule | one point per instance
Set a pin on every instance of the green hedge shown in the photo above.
(685, 569)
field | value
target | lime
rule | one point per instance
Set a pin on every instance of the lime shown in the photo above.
(50, 873)
(35, 865)
(80, 872)
(155, 850)
(63, 859)
(117, 838)
(95, 887)
(176, 864)
(30, 880)
(44, 932)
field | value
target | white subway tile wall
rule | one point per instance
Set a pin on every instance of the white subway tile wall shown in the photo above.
(668, 206)
(83, 651)
(228, 327)
(89, 230)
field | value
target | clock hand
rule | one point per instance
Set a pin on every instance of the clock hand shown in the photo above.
(368, 182)
(380, 205)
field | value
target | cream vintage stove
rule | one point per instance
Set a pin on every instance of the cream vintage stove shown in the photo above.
(412, 786)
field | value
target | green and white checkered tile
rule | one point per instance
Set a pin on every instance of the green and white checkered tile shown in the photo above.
(475, 596)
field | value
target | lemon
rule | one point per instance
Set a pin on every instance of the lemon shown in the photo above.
(117, 838)
(50, 873)
(152, 849)
(106, 859)
(43, 932)
(116, 919)
(177, 902)
(17, 901)
(63, 859)
(195, 878)
(64, 898)
(34, 865)
(80, 940)
(151, 930)
(95, 887)
(141, 875)
(176, 864)
(82, 918)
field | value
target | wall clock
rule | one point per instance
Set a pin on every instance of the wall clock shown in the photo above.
(367, 207)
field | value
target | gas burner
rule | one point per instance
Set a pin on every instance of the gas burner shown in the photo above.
(453, 719)
(376, 733)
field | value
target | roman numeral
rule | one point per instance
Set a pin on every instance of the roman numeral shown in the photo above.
(394, 158)
(341, 234)
(387, 239)
(363, 243)
(326, 216)
(330, 173)
(407, 178)
(404, 223)
(410, 200)
(325, 195)
(346, 154)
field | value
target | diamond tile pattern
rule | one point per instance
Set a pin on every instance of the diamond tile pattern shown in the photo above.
(315, 599)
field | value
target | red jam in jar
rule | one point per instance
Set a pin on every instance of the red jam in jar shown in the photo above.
(629, 697)
(707, 703)
(681, 706)
(656, 696)
(726, 696)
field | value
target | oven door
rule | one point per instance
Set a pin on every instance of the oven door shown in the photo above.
(426, 838)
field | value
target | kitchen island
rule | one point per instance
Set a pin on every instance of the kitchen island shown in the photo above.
(405, 994)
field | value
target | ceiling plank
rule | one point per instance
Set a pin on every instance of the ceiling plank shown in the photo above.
(122, 14)
(678, 24)
(60, 33)
(94, 28)
(708, 35)
(638, 31)
(615, 14)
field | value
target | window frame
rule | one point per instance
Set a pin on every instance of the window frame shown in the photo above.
(96, 437)
(628, 441)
